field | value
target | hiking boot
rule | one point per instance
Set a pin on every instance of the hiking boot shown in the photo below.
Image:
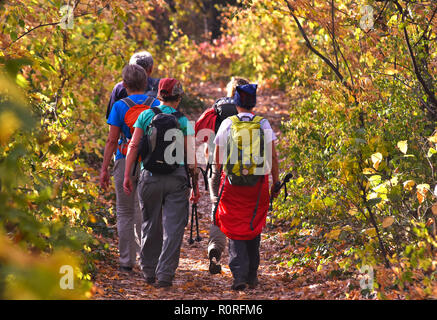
(149, 279)
(214, 256)
(163, 284)
(125, 269)
(238, 285)
(252, 283)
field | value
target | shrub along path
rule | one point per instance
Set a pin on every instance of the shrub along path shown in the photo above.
(193, 280)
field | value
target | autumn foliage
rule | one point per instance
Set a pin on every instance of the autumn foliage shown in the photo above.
(360, 136)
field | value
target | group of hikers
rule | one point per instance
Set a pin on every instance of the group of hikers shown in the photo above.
(156, 173)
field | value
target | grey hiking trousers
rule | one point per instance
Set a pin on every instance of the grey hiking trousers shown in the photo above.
(164, 202)
(128, 217)
(217, 239)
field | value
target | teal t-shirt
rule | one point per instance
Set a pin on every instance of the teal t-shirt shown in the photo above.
(146, 117)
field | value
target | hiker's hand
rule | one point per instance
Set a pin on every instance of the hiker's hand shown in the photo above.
(127, 185)
(273, 191)
(104, 178)
(195, 194)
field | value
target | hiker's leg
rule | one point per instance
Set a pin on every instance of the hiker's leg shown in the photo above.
(125, 208)
(254, 258)
(217, 239)
(150, 194)
(138, 220)
(238, 260)
(174, 220)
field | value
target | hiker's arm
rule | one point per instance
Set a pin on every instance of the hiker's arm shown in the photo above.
(110, 147)
(131, 157)
(191, 160)
(218, 155)
(275, 169)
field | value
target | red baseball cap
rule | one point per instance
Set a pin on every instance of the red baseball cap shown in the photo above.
(169, 87)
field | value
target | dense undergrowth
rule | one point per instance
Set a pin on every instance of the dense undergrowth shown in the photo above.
(361, 136)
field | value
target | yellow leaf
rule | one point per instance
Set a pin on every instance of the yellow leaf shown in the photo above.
(423, 188)
(409, 184)
(347, 228)
(371, 232)
(333, 234)
(403, 146)
(376, 159)
(369, 171)
(388, 222)
(353, 211)
(433, 139)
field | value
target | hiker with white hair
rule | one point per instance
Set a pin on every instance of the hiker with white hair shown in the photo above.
(143, 59)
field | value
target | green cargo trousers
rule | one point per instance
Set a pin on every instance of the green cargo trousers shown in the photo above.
(164, 203)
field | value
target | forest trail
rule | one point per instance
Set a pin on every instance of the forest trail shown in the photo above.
(193, 280)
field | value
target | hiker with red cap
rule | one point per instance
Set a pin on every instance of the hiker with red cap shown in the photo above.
(245, 148)
(164, 139)
(120, 118)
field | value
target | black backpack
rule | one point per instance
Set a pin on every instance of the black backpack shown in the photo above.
(224, 108)
(153, 145)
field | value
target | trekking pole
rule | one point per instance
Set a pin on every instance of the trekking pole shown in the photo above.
(194, 216)
(278, 186)
(205, 176)
(191, 240)
(198, 237)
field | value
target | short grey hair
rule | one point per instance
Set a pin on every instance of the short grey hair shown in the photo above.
(134, 78)
(143, 59)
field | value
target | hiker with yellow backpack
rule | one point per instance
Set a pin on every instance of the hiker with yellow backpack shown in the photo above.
(121, 119)
(245, 147)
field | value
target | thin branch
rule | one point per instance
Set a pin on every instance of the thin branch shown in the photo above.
(314, 50)
(334, 42)
(428, 92)
(426, 28)
(41, 26)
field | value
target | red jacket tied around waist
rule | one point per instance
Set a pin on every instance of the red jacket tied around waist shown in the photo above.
(236, 208)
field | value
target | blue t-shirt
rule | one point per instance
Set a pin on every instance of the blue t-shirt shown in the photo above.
(116, 118)
(119, 92)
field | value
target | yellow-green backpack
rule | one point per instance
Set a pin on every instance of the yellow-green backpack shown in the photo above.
(245, 159)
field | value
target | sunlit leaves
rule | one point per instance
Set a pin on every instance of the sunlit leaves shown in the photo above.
(403, 146)
(376, 159)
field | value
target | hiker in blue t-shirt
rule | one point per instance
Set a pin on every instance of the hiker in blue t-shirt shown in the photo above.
(143, 59)
(127, 206)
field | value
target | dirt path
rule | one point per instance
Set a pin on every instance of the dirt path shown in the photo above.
(193, 281)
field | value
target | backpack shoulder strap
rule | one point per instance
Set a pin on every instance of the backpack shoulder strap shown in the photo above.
(149, 101)
(178, 114)
(234, 119)
(129, 102)
(257, 119)
(156, 110)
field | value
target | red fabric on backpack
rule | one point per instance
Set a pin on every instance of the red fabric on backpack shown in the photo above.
(206, 121)
(236, 206)
(132, 115)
